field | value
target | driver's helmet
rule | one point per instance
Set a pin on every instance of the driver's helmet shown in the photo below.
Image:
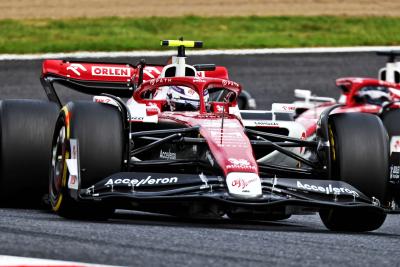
(376, 95)
(182, 98)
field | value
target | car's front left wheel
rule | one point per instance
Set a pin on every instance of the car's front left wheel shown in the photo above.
(98, 128)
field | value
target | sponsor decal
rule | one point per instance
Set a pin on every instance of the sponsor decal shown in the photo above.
(200, 74)
(327, 189)
(231, 135)
(73, 165)
(229, 83)
(217, 124)
(148, 73)
(136, 118)
(241, 183)
(279, 107)
(394, 172)
(167, 155)
(242, 164)
(159, 80)
(228, 139)
(288, 108)
(239, 162)
(220, 108)
(151, 72)
(72, 181)
(266, 123)
(141, 182)
(152, 110)
(105, 100)
(75, 68)
(111, 71)
(211, 124)
(74, 152)
(198, 80)
(102, 100)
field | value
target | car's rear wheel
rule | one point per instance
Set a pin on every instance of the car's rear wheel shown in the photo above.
(360, 157)
(98, 128)
(26, 129)
(246, 101)
(391, 120)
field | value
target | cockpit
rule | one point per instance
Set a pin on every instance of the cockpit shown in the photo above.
(374, 95)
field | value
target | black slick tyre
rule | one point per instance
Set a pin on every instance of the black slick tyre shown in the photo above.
(26, 130)
(99, 131)
(360, 157)
(391, 121)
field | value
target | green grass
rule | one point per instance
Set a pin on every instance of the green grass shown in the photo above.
(122, 34)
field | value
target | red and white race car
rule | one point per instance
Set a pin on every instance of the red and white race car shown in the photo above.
(180, 145)
(367, 95)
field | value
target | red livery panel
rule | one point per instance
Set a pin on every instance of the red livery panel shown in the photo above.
(110, 72)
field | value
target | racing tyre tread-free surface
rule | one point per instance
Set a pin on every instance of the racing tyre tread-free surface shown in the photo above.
(99, 131)
(391, 120)
(26, 130)
(360, 157)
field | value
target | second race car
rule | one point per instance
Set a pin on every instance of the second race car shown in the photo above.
(368, 95)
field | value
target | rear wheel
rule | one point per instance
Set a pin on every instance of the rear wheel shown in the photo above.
(26, 129)
(99, 131)
(245, 101)
(391, 120)
(360, 157)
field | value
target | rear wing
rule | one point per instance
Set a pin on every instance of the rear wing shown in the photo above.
(88, 77)
(117, 79)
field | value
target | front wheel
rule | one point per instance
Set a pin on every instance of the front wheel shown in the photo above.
(99, 132)
(360, 157)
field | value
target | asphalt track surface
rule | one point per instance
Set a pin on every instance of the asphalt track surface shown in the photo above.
(138, 239)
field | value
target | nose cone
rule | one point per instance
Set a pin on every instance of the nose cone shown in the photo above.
(244, 185)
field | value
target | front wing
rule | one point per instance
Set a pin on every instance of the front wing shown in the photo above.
(130, 190)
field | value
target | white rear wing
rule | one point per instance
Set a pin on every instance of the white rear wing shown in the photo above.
(308, 100)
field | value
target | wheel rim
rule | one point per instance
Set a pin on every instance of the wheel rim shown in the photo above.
(58, 170)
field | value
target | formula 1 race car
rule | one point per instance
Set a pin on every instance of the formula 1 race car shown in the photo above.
(181, 146)
(374, 96)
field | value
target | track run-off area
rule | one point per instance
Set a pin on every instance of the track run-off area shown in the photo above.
(138, 239)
